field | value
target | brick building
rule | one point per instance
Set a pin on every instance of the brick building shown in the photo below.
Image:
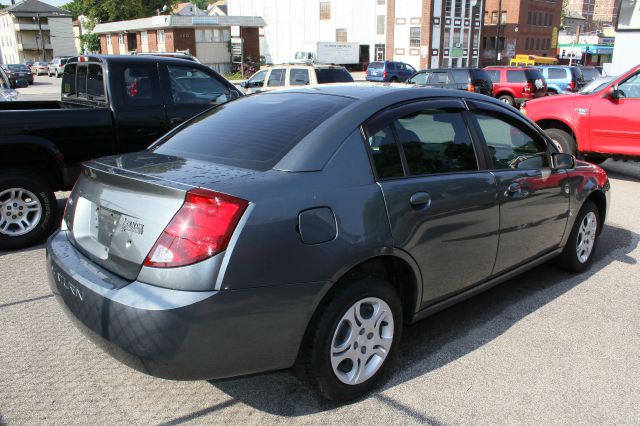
(206, 37)
(520, 27)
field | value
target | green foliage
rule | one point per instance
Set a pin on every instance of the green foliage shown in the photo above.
(116, 10)
(90, 42)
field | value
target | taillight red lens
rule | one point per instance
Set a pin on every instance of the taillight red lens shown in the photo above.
(384, 73)
(471, 88)
(572, 85)
(202, 228)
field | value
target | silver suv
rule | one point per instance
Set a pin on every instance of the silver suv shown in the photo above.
(56, 66)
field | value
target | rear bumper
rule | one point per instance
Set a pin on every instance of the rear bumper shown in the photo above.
(181, 335)
(375, 78)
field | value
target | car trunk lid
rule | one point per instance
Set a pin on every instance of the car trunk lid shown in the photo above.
(121, 205)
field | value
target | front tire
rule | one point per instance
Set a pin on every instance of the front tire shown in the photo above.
(507, 99)
(566, 141)
(28, 209)
(577, 255)
(352, 340)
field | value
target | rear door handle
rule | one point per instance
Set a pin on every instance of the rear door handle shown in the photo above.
(420, 200)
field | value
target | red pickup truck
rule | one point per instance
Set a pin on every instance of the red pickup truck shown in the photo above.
(597, 123)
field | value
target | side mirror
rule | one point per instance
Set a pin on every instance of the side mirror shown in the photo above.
(244, 84)
(233, 95)
(561, 160)
(613, 92)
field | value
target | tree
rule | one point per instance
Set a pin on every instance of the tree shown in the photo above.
(90, 42)
(116, 10)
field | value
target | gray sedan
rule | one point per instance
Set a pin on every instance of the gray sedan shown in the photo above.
(304, 228)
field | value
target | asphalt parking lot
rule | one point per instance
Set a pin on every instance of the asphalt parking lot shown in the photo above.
(544, 348)
(43, 89)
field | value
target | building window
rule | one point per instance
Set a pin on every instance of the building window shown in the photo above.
(493, 42)
(484, 42)
(447, 38)
(380, 24)
(503, 17)
(121, 38)
(447, 8)
(161, 36)
(109, 42)
(486, 16)
(414, 37)
(381, 2)
(458, 8)
(144, 37)
(476, 38)
(537, 44)
(526, 44)
(494, 17)
(325, 10)
(341, 35)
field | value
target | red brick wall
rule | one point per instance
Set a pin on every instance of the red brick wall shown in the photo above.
(184, 39)
(153, 41)
(425, 32)
(168, 40)
(391, 23)
(103, 44)
(251, 38)
(115, 45)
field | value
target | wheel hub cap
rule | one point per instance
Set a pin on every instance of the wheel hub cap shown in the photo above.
(362, 340)
(20, 211)
(586, 237)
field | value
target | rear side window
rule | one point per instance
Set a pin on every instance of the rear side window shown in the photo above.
(494, 75)
(386, 157)
(278, 121)
(460, 76)
(391, 65)
(510, 147)
(480, 75)
(516, 76)
(557, 73)
(276, 78)
(298, 77)
(333, 75)
(436, 141)
(141, 86)
(69, 80)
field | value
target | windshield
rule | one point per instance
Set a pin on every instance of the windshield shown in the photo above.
(301, 55)
(596, 85)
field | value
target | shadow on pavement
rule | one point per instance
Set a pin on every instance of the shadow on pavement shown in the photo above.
(623, 170)
(441, 338)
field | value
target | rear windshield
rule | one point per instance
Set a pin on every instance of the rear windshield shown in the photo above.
(64, 61)
(333, 75)
(18, 67)
(590, 73)
(253, 132)
(533, 74)
(376, 65)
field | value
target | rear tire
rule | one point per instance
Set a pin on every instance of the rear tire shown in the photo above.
(566, 141)
(577, 255)
(28, 209)
(507, 99)
(393, 80)
(344, 353)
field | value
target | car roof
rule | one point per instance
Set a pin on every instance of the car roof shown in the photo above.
(302, 64)
(131, 59)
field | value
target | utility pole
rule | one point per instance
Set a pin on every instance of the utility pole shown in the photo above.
(498, 32)
(42, 54)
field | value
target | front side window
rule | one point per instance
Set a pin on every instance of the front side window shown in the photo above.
(630, 88)
(511, 147)
(420, 78)
(298, 77)
(436, 141)
(257, 80)
(191, 85)
(276, 78)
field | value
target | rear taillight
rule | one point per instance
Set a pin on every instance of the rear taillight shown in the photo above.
(572, 86)
(471, 88)
(384, 73)
(529, 88)
(200, 229)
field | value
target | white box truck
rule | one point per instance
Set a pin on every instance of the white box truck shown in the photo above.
(330, 52)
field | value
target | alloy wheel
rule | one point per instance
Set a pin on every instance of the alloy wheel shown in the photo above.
(586, 237)
(20, 211)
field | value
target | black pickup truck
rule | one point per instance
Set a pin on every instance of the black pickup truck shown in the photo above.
(109, 105)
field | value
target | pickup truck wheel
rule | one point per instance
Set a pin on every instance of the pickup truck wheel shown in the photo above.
(595, 158)
(507, 99)
(565, 140)
(28, 209)
(352, 339)
(577, 255)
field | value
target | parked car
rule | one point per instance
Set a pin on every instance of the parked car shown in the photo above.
(514, 85)
(7, 94)
(599, 122)
(17, 72)
(389, 71)
(468, 79)
(110, 104)
(295, 74)
(38, 68)
(56, 66)
(561, 79)
(312, 235)
(589, 73)
(29, 63)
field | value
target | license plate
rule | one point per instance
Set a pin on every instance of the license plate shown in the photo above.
(104, 223)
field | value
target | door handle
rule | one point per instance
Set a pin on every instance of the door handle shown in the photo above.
(420, 200)
(514, 188)
(176, 120)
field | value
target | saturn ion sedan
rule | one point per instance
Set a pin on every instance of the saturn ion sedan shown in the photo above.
(304, 228)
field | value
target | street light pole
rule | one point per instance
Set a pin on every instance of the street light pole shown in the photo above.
(498, 32)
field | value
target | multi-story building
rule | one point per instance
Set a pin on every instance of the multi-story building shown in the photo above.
(194, 31)
(514, 27)
(37, 31)
(585, 8)
(605, 13)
